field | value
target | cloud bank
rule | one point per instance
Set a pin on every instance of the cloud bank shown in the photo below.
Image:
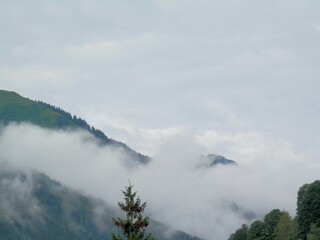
(198, 201)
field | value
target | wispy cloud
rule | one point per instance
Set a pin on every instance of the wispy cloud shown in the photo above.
(198, 201)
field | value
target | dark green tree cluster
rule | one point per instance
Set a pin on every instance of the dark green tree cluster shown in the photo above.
(240, 234)
(266, 229)
(133, 226)
(308, 210)
(279, 225)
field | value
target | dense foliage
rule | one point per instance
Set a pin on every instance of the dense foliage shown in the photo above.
(278, 225)
(308, 208)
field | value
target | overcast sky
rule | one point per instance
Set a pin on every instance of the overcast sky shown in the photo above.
(237, 78)
(144, 71)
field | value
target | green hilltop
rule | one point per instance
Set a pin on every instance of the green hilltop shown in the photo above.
(17, 109)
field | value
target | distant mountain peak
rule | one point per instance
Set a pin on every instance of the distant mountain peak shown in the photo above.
(213, 160)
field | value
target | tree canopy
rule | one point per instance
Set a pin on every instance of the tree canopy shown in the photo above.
(278, 225)
(308, 208)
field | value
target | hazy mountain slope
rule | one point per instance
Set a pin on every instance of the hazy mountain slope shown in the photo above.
(15, 108)
(32, 206)
(213, 160)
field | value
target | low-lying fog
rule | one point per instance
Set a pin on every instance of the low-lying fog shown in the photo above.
(198, 200)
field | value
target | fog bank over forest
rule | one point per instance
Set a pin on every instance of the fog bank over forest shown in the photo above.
(197, 200)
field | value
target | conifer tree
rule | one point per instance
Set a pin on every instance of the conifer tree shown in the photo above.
(133, 226)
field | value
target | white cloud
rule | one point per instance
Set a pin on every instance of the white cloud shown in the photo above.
(198, 201)
(16, 191)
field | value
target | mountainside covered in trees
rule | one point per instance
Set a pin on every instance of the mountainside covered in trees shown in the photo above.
(279, 225)
(15, 108)
(35, 207)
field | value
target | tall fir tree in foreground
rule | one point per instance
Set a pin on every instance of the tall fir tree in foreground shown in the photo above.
(133, 226)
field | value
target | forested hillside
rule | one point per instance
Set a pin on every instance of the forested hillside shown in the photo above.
(35, 207)
(16, 109)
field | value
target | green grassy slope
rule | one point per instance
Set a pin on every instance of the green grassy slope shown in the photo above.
(15, 108)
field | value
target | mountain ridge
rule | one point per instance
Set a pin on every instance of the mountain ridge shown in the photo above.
(15, 108)
(216, 159)
(18, 109)
(34, 207)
